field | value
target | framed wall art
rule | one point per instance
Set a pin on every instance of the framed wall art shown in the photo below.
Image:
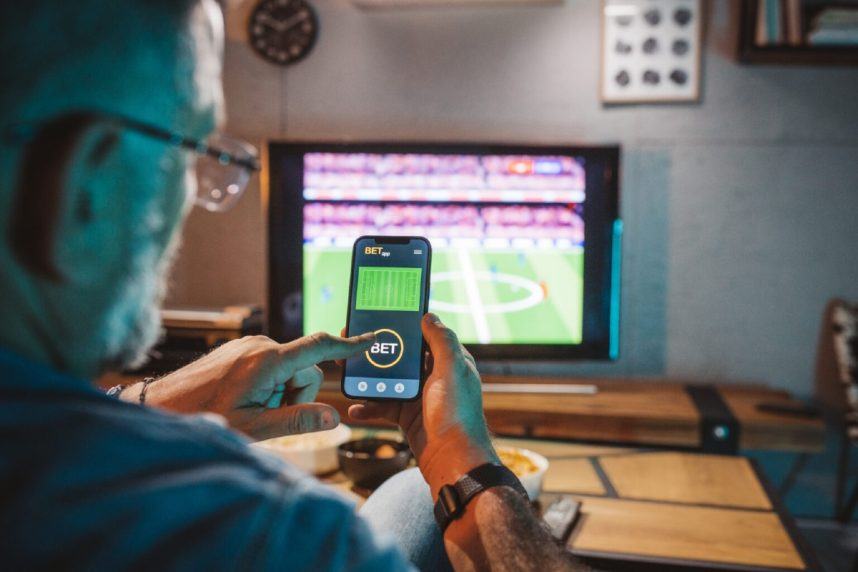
(651, 50)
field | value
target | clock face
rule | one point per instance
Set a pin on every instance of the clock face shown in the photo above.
(283, 31)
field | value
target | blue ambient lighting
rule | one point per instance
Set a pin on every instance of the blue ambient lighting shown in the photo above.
(616, 260)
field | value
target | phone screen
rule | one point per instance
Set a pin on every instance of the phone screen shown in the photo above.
(388, 295)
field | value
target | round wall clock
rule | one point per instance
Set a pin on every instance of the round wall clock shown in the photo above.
(283, 31)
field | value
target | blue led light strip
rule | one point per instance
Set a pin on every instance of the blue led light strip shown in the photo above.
(616, 261)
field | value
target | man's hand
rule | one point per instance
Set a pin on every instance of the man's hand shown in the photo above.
(448, 435)
(263, 389)
(446, 429)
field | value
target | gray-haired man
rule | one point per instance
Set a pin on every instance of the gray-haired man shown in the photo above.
(103, 105)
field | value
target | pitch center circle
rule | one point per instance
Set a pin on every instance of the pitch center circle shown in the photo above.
(535, 293)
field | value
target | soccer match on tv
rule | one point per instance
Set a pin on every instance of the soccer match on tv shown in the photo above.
(507, 233)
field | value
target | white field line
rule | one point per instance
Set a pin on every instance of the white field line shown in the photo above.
(473, 293)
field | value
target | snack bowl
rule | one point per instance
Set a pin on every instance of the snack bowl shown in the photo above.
(315, 453)
(371, 461)
(528, 466)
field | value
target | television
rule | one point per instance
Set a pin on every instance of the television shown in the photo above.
(525, 239)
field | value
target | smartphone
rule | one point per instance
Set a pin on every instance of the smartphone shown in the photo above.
(388, 295)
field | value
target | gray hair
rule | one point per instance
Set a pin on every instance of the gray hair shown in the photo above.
(60, 55)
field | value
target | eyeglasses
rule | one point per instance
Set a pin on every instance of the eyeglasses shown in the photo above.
(224, 165)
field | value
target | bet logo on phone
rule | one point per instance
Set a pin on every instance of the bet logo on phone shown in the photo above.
(387, 349)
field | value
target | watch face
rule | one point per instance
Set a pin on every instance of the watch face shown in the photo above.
(283, 31)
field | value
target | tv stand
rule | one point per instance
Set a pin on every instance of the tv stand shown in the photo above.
(550, 388)
(632, 411)
(660, 412)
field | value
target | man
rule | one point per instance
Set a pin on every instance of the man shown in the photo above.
(94, 186)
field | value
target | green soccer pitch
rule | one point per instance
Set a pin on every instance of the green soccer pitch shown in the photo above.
(486, 296)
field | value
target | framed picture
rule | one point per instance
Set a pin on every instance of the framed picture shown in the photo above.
(651, 50)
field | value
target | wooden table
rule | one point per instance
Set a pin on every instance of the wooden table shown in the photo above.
(637, 413)
(661, 510)
(657, 509)
(674, 510)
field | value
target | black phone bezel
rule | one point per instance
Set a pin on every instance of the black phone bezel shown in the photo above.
(425, 308)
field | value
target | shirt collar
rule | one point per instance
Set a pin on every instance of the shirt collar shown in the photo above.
(18, 372)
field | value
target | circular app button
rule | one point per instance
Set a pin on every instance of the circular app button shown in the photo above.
(399, 388)
(362, 386)
(387, 349)
(381, 387)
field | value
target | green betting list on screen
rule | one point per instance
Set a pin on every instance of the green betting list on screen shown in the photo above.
(389, 288)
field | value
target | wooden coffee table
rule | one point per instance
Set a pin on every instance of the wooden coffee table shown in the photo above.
(664, 510)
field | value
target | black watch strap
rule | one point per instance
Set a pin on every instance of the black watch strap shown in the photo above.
(452, 499)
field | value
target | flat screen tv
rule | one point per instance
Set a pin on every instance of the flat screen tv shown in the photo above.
(525, 239)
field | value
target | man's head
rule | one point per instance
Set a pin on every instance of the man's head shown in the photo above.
(89, 210)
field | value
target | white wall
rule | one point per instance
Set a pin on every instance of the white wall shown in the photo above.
(741, 212)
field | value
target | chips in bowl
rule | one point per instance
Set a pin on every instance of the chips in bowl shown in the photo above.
(528, 466)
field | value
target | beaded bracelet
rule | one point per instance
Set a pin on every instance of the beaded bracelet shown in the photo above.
(117, 390)
(146, 382)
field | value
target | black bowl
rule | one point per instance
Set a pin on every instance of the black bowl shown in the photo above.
(359, 463)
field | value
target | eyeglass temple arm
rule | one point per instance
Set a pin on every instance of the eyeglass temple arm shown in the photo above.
(194, 145)
(18, 132)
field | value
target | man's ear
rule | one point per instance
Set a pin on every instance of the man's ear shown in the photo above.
(59, 195)
(87, 240)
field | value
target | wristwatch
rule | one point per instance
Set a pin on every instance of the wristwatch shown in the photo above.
(452, 499)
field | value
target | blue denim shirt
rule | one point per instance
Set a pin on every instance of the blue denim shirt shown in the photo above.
(91, 482)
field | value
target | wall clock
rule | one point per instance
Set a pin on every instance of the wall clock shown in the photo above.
(283, 31)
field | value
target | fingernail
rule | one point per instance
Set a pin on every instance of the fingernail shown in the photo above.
(328, 421)
(367, 336)
(306, 422)
(432, 318)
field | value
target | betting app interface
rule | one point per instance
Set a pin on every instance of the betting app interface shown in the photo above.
(388, 288)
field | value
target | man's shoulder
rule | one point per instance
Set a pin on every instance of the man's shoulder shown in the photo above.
(103, 436)
(141, 479)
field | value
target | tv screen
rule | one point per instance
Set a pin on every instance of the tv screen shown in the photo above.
(523, 238)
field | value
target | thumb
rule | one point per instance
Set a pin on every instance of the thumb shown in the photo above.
(374, 410)
(443, 342)
(291, 420)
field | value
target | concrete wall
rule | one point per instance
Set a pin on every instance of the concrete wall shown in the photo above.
(741, 212)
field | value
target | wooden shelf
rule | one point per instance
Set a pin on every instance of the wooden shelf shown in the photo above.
(750, 53)
(799, 55)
